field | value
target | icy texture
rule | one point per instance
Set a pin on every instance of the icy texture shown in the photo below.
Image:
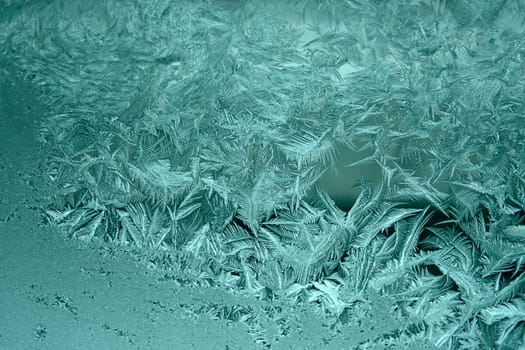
(202, 131)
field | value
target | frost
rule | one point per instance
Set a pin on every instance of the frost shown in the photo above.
(206, 131)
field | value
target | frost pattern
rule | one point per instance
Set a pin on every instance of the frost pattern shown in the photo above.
(202, 132)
